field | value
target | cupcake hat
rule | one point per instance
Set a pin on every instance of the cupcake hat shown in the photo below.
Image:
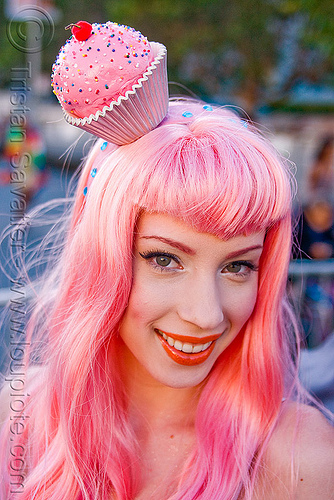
(111, 81)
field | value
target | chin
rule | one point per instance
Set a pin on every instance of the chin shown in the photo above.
(183, 377)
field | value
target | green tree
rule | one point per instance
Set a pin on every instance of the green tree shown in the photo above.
(220, 47)
(222, 40)
(315, 58)
(319, 25)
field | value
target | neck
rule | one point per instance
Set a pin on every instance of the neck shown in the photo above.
(162, 419)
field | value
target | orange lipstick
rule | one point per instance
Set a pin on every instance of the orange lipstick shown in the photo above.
(184, 358)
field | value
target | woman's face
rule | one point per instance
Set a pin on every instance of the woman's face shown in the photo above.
(192, 293)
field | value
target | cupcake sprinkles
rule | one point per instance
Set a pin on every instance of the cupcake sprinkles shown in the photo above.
(99, 63)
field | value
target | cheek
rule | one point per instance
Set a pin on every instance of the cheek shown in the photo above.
(243, 305)
(145, 302)
(138, 303)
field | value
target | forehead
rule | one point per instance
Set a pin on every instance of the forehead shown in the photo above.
(155, 227)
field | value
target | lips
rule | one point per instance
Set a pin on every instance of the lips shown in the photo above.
(186, 350)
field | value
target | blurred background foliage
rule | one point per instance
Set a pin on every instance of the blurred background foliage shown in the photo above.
(250, 52)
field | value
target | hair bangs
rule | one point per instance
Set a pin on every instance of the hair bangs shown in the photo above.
(218, 183)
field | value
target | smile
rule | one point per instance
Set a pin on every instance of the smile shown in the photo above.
(184, 346)
(186, 350)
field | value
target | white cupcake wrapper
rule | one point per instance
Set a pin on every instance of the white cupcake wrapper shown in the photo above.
(136, 113)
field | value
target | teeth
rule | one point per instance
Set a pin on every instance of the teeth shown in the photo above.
(187, 348)
(170, 341)
(184, 347)
(178, 345)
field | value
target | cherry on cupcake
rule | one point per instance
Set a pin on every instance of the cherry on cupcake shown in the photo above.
(80, 30)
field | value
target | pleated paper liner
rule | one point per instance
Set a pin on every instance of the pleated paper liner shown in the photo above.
(136, 113)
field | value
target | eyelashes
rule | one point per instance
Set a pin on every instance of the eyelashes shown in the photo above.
(168, 262)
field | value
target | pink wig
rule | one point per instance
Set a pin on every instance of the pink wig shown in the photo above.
(212, 170)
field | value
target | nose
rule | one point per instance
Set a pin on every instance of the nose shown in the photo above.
(202, 304)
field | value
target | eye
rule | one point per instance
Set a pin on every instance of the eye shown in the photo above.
(162, 260)
(239, 268)
(234, 267)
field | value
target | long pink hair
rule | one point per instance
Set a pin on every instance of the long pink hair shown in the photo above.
(215, 172)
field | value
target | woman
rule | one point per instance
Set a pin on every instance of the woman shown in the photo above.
(166, 345)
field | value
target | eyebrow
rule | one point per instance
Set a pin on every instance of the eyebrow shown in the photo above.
(237, 253)
(184, 248)
(176, 244)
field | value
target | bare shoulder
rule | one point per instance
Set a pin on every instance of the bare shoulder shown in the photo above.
(299, 460)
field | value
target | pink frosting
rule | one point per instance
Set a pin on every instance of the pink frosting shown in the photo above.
(89, 75)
